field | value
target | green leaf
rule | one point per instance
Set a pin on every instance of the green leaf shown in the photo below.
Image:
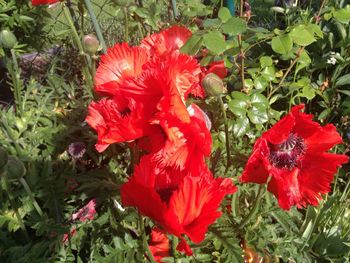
(258, 115)
(342, 15)
(282, 44)
(346, 92)
(259, 100)
(302, 35)
(240, 96)
(238, 107)
(241, 127)
(265, 61)
(269, 73)
(215, 42)
(224, 14)
(303, 61)
(192, 45)
(260, 83)
(343, 80)
(234, 26)
(308, 92)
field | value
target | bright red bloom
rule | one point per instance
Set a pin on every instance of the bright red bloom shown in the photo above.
(86, 213)
(184, 204)
(159, 244)
(44, 2)
(294, 154)
(120, 63)
(187, 143)
(166, 41)
(118, 120)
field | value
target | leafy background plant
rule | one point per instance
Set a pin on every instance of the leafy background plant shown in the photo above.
(294, 55)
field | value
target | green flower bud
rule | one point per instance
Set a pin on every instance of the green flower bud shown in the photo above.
(15, 168)
(90, 44)
(7, 39)
(213, 85)
(3, 157)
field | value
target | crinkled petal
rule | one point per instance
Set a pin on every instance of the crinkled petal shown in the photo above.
(120, 63)
(255, 170)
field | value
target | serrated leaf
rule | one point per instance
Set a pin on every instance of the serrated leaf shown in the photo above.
(257, 115)
(238, 107)
(240, 96)
(224, 14)
(241, 126)
(259, 100)
(192, 45)
(302, 35)
(234, 26)
(215, 42)
(282, 44)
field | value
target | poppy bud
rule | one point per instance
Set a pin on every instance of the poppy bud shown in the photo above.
(7, 39)
(213, 85)
(90, 44)
(15, 168)
(3, 158)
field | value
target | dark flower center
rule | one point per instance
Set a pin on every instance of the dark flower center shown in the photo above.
(165, 194)
(286, 154)
(125, 113)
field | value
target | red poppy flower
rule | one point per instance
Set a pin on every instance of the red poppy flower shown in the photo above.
(119, 64)
(44, 2)
(166, 41)
(86, 213)
(185, 206)
(187, 143)
(159, 244)
(294, 154)
(118, 120)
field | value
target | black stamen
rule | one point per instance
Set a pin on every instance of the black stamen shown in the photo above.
(286, 154)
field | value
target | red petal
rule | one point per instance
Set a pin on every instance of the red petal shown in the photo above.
(166, 41)
(120, 63)
(255, 170)
(218, 68)
(184, 247)
(285, 186)
(44, 2)
(144, 198)
(117, 120)
(323, 139)
(317, 173)
(196, 204)
(281, 130)
(159, 244)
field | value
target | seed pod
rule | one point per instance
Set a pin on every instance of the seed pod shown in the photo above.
(90, 44)
(15, 168)
(7, 39)
(213, 85)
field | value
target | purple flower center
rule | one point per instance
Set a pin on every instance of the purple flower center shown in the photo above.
(286, 154)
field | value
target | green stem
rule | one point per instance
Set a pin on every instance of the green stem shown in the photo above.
(144, 240)
(174, 7)
(96, 25)
(14, 206)
(31, 196)
(126, 24)
(77, 42)
(16, 81)
(254, 208)
(227, 138)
